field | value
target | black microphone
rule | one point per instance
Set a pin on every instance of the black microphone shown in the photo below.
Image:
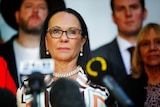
(117, 92)
(7, 98)
(96, 68)
(36, 82)
(36, 85)
(65, 92)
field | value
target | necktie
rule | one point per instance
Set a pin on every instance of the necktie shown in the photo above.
(131, 50)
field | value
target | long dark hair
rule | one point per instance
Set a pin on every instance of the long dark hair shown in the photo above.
(82, 60)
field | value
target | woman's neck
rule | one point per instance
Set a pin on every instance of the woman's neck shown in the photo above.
(66, 72)
(153, 75)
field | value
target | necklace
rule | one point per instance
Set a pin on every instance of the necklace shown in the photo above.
(68, 74)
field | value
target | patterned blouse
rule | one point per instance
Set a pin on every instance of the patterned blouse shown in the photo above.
(152, 96)
(94, 95)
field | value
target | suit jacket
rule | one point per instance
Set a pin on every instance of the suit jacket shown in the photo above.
(135, 88)
(111, 53)
(7, 52)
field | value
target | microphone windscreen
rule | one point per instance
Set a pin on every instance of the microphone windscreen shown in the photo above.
(66, 93)
(7, 98)
(96, 68)
(36, 82)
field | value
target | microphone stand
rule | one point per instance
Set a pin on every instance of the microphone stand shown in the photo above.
(35, 94)
(34, 104)
(36, 83)
(117, 92)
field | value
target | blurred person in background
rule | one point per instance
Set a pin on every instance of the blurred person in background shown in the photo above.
(143, 85)
(27, 17)
(128, 15)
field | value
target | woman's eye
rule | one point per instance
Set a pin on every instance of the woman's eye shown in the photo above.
(72, 32)
(144, 44)
(55, 31)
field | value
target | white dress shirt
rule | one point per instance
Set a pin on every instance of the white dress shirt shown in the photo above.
(123, 46)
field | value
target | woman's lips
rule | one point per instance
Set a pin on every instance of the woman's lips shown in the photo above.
(153, 57)
(63, 48)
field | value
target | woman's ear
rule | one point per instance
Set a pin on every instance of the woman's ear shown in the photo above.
(84, 41)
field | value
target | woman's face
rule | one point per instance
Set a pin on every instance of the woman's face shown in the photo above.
(150, 49)
(64, 48)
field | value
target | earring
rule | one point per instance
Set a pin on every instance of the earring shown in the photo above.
(47, 52)
(81, 54)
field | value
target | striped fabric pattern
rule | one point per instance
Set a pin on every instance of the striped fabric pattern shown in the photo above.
(94, 95)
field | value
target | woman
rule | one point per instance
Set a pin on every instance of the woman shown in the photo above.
(143, 86)
(65, 39)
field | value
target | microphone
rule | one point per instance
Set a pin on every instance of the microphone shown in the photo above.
(65, 92)
(99, 72)
(36, 75)
(94, 64)
(7, 98)
(27, 67)
(96, 68)
(36, 85)
(117, 92)
(36, 82)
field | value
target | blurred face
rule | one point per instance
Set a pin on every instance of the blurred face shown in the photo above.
(31, 15)
(128, 15)
(150, 49)
(64, 48)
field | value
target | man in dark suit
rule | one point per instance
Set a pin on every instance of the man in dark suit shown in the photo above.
(128, 15)
(27, 17)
